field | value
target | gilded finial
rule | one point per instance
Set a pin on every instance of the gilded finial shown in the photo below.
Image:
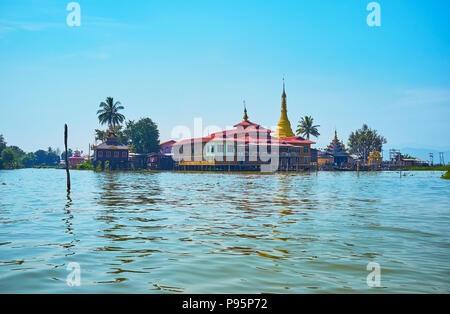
(245, 113)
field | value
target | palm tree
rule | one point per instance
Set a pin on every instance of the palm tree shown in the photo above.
(306, 128)
(110, 113)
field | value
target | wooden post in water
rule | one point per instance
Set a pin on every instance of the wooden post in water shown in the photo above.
(66, 159)
(357, 168)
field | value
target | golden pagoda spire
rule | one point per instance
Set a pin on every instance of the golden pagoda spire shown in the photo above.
(245, 113)
(284, 126)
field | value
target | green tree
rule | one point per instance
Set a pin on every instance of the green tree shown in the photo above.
(2, 143)
(109, 114)
(307, 128)
(363, 141)
(41, 157)
(143, 135)
(101, 135)
(69, 154)
(17, 151)
(8, 158)
(28, 160)
(52, 159)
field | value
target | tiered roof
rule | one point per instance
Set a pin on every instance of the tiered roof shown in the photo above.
(336, 147)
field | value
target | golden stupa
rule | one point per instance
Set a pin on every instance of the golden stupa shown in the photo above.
(375, 158)
(284, 126)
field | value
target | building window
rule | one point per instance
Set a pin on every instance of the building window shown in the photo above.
(305, 149)
(108, 154)
(116, 154)
(212, 148)
(124, 154)
(220, 148)
(230, 148)
(306, 160)
(99, 153)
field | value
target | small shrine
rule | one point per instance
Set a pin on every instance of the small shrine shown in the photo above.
(375, 158)
(337, 150)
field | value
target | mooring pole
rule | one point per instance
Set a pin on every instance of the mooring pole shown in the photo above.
(357, 168)
(66, 159)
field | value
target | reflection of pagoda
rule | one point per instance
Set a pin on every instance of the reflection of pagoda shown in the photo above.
(338, 151)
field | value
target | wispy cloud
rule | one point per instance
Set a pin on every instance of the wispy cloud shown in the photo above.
(87, 54)
(424, 96)
(103, 22)
(8, 25)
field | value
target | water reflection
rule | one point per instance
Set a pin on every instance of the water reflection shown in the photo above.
(68, 221)
(224, 233)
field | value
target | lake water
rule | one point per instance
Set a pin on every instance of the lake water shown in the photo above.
(224, 233)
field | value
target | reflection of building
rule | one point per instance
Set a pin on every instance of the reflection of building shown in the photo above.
(246, 147)
(112, 151)
(76, 159)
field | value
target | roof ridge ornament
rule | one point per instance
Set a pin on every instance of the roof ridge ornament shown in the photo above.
(245, 113)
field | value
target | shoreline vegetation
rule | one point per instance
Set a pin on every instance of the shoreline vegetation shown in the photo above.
(446, 175)
(428, 168)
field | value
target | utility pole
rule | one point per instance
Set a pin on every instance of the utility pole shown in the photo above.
(441, 159)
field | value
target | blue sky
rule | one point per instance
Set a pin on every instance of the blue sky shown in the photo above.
(174, 61)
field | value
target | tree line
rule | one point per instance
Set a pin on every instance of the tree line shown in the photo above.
(13, 157)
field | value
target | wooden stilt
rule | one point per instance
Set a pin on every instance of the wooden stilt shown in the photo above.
(66, 159)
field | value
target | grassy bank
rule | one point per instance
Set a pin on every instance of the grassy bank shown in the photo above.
(446, 175)
(432, 168)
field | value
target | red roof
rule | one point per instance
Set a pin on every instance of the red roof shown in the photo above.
(246, 124)
(242, 134)
(297, 139)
